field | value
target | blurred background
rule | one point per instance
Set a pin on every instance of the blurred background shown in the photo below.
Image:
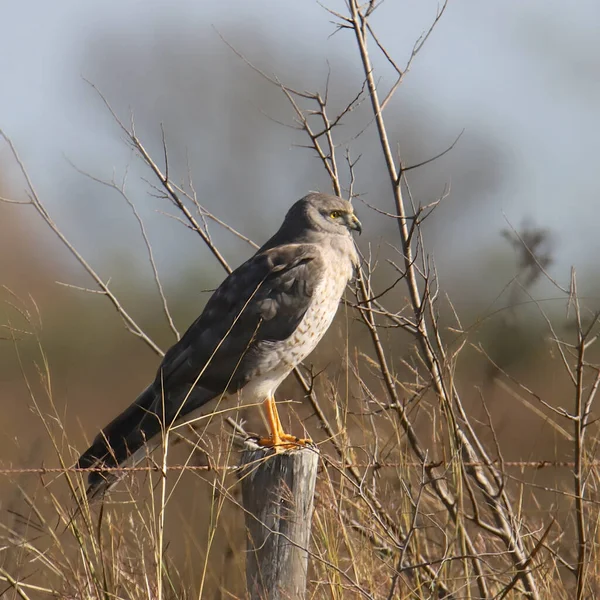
(521, 81)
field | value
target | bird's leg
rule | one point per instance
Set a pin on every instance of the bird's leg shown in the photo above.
(278, 437)
(274, 421)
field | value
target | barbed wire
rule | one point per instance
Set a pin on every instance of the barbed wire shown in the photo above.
(530, 464)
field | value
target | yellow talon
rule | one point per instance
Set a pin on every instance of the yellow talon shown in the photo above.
(278, 438)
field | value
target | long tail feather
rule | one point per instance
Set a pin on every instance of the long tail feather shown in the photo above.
(131, 436)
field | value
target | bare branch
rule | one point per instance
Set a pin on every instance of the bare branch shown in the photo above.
(41, 210)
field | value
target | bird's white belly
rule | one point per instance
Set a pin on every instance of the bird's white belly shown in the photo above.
(316, 321)
(283, 356)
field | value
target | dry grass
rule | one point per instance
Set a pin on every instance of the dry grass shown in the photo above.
(379, 529)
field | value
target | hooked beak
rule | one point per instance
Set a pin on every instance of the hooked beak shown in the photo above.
(355, 224)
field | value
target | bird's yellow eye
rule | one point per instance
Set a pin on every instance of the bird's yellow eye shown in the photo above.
(334, 214)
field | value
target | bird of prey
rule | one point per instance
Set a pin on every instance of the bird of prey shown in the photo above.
(263, 320)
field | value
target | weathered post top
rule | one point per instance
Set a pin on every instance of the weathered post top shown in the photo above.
(277, 494)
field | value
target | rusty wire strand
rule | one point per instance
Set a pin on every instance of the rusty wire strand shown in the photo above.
(529, 464)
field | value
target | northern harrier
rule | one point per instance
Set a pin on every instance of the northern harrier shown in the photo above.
(263, 320)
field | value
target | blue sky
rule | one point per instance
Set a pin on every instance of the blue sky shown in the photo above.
(528, 73)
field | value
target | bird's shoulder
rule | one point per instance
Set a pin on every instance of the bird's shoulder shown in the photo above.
(264, 299)
(270, 272)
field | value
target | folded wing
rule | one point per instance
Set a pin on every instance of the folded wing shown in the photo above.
(261, 302)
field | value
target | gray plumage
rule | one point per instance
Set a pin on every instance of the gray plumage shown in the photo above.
(264, 319)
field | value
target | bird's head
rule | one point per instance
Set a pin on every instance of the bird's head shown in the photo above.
(326, 214)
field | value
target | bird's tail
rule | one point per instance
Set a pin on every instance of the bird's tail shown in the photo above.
(130, 437)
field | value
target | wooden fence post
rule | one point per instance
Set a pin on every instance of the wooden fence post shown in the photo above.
(277, 495)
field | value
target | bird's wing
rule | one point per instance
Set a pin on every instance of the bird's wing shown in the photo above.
(263, 300)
